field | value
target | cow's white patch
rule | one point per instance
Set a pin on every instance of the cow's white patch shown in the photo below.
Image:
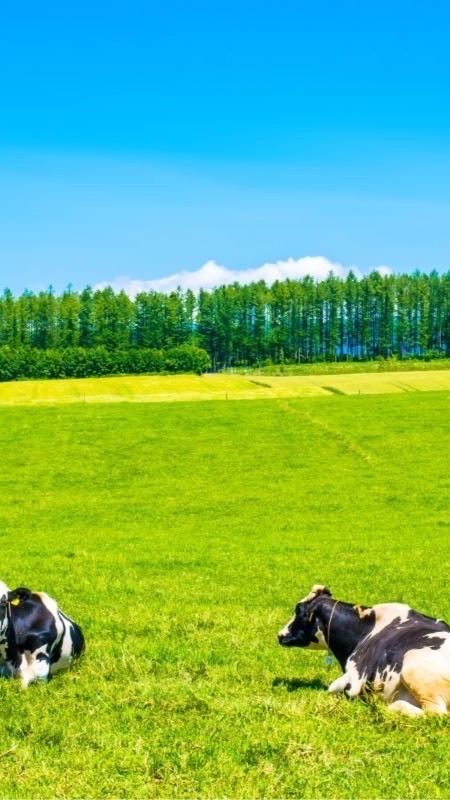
(3, 590)
(385, 613)
(286, 630)
(61, 630)
(66, 645)
(4, 621)
(321, 643)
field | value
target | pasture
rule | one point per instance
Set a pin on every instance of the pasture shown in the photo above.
(180, 536)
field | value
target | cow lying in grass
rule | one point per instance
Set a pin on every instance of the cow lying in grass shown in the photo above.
(388, 648)
(36, 638)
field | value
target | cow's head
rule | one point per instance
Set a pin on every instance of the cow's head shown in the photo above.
(306, 629)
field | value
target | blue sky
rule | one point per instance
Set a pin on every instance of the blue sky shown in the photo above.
(141, 141)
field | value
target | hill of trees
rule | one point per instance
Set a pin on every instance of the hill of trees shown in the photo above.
(103, 332)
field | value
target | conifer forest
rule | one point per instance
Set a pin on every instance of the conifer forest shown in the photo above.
(97, 332)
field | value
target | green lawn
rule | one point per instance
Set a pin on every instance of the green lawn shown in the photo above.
(180, 536)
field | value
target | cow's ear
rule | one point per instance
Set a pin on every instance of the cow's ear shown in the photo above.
(17, 595)
(318, 588)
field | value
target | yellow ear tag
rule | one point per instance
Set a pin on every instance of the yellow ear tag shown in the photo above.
(16, 601)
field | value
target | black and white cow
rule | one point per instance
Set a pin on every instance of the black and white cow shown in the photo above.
(36, 638)
(388, 648)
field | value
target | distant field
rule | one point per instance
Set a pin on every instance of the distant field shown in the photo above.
(346, 367)
(180, 535)
(172, 388)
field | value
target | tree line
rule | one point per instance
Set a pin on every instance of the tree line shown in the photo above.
(294, 321)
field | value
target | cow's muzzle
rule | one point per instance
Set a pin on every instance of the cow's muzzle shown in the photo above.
(285, 639)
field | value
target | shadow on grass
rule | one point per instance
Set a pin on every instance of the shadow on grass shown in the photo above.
(294, 684)
(333, 390)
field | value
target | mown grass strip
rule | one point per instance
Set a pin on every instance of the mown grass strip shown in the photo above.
(173, 388)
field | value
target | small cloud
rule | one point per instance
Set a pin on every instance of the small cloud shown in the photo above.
(384, 271)
(211, 275)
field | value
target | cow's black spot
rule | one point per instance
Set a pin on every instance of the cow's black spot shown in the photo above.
(42, 657)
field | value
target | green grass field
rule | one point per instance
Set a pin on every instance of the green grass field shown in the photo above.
(180, 536)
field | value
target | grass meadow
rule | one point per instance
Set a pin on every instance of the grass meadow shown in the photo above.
(180, 536)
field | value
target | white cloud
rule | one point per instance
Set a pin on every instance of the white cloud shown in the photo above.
(383, 271)
(212, 274)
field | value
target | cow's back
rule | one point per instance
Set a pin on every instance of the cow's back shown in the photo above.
(380, 659)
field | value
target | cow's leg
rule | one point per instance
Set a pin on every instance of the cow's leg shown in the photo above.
(404, 702)
(340, 684)
(355, 689)
(405, 707)
(349, 683)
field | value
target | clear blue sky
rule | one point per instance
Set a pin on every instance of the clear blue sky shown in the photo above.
(141, 139)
